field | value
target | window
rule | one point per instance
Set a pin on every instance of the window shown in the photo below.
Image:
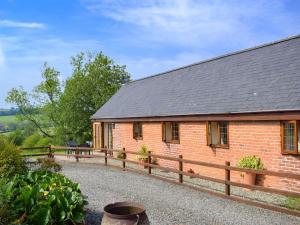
(217, 134)
(290, 135)
(137, 130)
(170, 132)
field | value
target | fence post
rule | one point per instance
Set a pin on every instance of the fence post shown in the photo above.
(180, 169)
(124, 157)
(50, 152)
(105, 153)
(149, 162)
(227, 179)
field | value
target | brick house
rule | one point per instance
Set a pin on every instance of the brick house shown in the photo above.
(217, 110)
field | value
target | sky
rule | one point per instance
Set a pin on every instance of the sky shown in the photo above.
(148, 36)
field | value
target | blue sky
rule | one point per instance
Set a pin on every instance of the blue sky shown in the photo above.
(146, 36)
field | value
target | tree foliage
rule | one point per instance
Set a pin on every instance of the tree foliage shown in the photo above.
(63, 110)
(94, 80)
(41, 106)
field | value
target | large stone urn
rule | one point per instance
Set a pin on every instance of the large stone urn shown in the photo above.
(125, 213)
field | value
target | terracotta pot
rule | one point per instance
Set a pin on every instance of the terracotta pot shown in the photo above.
(125, 213)
(141, 163)
(249, 178)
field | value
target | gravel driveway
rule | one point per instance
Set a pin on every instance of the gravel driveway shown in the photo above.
(165, 203)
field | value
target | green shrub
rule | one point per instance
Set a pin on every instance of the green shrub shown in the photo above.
(11, 162)
(16, 137)
(143, 154)
(49, 164)
(45, 141)
(154, 160)
(292, 203)
(32, 140)
(41, 198)
(250, 162)
(121, 155)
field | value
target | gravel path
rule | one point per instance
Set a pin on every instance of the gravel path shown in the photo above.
(259, 196)
(165, 203)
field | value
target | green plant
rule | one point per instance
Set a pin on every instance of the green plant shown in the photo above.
(11, 161)
(49, 164)
(16, 137)
(45, 141)
(31, 140)
(121, 155)
(154, 161)
(143, 154)
(250, 162)
(41, 198)
(190, 170)
(292, 203)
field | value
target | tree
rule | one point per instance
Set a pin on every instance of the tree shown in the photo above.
(94, 80)
(41, 106)
(64, 113)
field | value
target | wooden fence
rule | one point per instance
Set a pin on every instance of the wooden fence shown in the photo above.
(84, 152)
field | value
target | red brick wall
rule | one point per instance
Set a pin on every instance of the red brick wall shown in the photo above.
(260, 138)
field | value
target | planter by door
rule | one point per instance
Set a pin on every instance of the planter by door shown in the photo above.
(249, 178)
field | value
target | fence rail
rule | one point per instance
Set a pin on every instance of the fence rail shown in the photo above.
(227, 168)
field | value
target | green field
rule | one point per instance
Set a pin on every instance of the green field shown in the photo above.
(8, 119)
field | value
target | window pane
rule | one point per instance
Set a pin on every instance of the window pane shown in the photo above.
(168, 131)
(298, 138)
(110, 135)
(137, 129)
(214, 133)
(223, 133)
(175, 131)
(289, 135)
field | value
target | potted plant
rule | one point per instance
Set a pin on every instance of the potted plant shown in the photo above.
(143, 155)
(154, 161)
(121, 155)
(250, 162)
(190, 170)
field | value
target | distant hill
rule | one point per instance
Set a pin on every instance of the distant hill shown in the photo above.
(8, 112)
(8, 120)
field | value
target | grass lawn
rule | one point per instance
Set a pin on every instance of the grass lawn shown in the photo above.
(8, 119)
(6, 133)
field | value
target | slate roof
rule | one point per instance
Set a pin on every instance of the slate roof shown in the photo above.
(261, 79)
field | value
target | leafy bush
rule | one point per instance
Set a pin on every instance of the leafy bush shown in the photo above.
(41, 198)
(32, 140)
(143, 154)
(49, 164)
(250, 162)
(154, 160)
(16, 137)
(292, 203)
(45, 141)
(121, 155)
(11, 162)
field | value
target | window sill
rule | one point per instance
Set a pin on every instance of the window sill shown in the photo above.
(290, 153)
(172, 142)
(138, 138)
(219, 146)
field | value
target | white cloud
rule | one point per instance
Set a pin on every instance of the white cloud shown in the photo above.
(17, 24)
(192, 22)
(25, 55)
